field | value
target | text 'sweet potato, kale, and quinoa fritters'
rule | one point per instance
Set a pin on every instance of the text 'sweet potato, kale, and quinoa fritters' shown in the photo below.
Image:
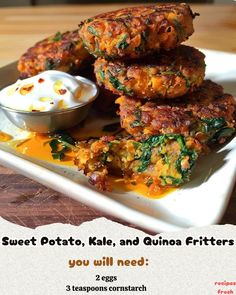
(206, 114)
(63, 52)
(137, 31)
(167, 74)
(159, 161)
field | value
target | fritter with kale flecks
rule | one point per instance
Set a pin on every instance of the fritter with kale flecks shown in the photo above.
(137, 31)
(63, 52)
(206, 114)
(159, 161)
(168, 74)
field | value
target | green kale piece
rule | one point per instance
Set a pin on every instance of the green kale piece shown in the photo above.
(212, 124)
(92, 31)
(57, 37)
(159, 140)
(101, 75)
(51, 64)
(61, 143)
(119, 86)
(122, 44)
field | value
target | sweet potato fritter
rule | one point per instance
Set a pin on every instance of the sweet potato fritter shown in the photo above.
(167, 74)
(161, 160)
(137, 31)
(63, 52)
(206, 114)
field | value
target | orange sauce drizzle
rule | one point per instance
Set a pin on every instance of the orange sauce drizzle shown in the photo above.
(37, 147)
(139, 188)
(4, 137)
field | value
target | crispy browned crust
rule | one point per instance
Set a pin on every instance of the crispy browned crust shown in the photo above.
(192, 114)
(137, 31)
(164, 75)
(64, 52)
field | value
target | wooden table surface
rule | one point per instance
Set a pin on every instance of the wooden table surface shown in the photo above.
(30, 204)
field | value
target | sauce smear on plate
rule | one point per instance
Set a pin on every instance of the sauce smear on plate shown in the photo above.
(4, 137)
(38, 147)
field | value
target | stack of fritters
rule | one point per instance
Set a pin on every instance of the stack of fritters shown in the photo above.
(170, 114)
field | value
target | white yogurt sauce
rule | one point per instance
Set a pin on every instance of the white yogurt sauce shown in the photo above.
(47, 91)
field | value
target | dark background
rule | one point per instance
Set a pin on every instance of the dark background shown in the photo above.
(50, 2)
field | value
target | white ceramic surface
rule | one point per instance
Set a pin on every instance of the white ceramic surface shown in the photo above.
(200, 202)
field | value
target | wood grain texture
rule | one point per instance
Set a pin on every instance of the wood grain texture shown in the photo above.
(30, 204)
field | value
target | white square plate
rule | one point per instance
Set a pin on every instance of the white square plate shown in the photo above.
(200, 202)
